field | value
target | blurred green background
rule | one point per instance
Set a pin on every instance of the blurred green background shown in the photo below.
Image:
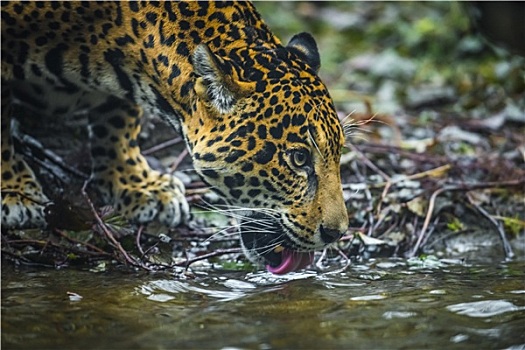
(406, 54)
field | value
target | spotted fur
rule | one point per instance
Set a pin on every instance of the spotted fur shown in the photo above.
(259, 124)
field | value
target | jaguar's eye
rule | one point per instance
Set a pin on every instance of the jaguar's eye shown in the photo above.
(300, 157)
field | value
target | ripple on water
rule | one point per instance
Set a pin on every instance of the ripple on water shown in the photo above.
(484, 308)
(368, 297)
(389, 315)
(166, 290)
(220, 288)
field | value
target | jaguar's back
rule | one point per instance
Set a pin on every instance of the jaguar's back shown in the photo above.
(141, 51)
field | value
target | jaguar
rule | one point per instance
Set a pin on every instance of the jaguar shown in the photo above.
(259, 124)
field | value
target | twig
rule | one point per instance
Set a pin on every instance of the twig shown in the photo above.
(378, 148)
(139, 246)
(458, 187)
(178, 160)
(391, 182)
(21, 258)
(368, 162)
(137, 240)
(26, 241)
(430, 230)
(218, 252)
(50, 244)
(106, 231)
(162, 145)
(427, 220)
(388, 180)
(507, 248)
(368, 196)
(486, 185)
(383, 196)
(321, 258)
(76, 241)
(342, 269)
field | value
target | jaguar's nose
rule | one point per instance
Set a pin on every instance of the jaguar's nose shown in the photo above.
(329, 235)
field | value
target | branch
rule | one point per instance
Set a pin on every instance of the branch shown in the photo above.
(459, 187)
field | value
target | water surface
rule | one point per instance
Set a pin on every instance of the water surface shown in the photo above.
(392, 303)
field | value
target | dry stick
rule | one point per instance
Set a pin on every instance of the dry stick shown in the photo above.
(218, 252)
(380, 219)
(391, 182)
(440, 169)
(27, 241)
(104, 228)
(460, 187)
(321, 258)
(162, 145)
(76, 241)
(18, 257)
(137, 240)
(342, 269)
(370, 214)
(509, 254)
(427, 220)
(372, 166)
(379, 148)
(369, 198)
(388, 230)
(383, 196)
(178, 160)
(45, 244)
(142, 252)
(368, 162)
(431, 230)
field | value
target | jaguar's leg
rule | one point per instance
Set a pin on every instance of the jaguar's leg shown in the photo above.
(22, 198)
(122, 174)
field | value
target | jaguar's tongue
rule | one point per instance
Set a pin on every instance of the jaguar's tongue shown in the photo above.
(291, 261)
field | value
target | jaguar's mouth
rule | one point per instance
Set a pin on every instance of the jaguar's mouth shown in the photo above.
(285, 260)
(265, 242)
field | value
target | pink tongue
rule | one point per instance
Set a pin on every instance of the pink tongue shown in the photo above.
(292, 261)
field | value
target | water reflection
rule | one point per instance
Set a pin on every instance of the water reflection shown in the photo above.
(165, 290)
(485, 308)
(380, 304)
(219, 287)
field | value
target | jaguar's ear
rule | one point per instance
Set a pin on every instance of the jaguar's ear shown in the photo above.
(305, 46)
(216, 81)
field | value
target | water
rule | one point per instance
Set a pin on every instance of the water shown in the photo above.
(394, 304)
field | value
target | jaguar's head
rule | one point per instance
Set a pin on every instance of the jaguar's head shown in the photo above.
(264, 134)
